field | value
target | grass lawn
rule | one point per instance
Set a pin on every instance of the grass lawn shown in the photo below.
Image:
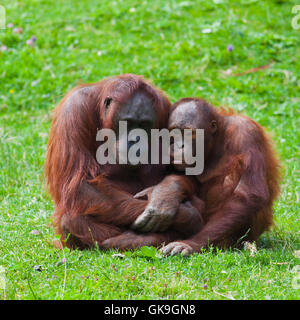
(182, 47)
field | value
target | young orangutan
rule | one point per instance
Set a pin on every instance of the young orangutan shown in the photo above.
(238, 186)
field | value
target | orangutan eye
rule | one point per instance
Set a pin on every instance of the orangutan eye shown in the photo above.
(214, 126)
(107, 102)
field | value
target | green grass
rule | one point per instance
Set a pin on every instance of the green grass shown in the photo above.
(85, 41)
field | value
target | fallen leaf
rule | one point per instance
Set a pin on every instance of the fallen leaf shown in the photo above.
(251, 247)
(227, 72)
(297, 253)
(35, 232)
(118, 255)
(69, 28)
(149, 252)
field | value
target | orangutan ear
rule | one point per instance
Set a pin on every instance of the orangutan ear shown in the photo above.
(213, 126)
(107, 102)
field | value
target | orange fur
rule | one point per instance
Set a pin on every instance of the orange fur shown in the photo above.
(240, 181)
(89, 206)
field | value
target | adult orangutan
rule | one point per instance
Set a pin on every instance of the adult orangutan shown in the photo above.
(238, 186)
(95, 202)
